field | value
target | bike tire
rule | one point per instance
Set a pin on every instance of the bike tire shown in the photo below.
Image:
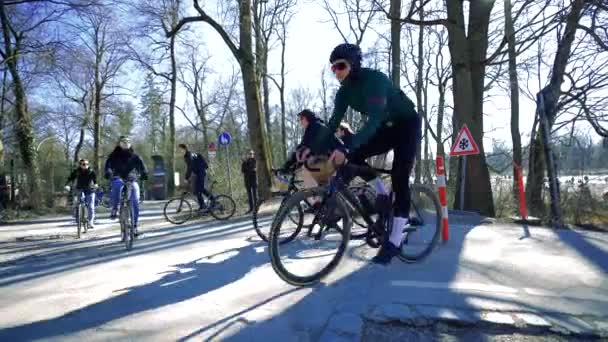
(127, 216)
(78, 222)
(222, 207)
(84, 218)
(424, 203)
(296, 218)
(275, 241)
(182, 205)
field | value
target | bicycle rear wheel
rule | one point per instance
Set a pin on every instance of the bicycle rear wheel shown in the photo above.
(317, 248)
(264, 211)
(177, 210)
(425, 224)
(222, 207)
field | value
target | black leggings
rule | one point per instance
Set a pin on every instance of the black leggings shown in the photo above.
(403, 138)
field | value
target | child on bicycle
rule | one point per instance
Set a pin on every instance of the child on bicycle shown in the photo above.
(392, 124)
(121, 162)
(86, 181)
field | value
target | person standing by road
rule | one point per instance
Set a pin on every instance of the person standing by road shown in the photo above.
(249, 170)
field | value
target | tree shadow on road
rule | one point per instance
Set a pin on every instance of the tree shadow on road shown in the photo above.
(186, 281)
(57, 261)
(581, 242)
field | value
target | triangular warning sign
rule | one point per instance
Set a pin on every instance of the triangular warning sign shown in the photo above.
(464, 144)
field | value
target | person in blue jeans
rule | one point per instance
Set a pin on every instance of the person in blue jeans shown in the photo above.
(119, 166)
(86, 181)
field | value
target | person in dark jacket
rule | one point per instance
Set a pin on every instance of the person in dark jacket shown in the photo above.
(86, 181)
(122, 164)
(392, 124)
(196, 171)
(249, 170)
(313, 126)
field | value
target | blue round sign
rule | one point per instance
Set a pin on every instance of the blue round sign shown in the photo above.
(224, 139)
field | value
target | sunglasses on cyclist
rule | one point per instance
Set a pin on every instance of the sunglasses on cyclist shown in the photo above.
(338, 66)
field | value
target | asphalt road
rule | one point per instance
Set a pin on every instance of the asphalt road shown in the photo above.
(211, 280)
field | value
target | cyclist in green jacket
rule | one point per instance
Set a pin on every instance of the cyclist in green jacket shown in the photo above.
(392, 124)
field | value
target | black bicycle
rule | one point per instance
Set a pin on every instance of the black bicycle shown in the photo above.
(178, 210)
(126, 214)
(364, 194)
(82, 214)
(313, 254)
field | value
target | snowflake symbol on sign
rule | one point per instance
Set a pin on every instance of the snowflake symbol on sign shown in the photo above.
(464, 143)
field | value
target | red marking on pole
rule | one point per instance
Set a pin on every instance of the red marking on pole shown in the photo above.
(522, 194)
(443, 198)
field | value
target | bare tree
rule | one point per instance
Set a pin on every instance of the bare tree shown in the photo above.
(359, 16)
(243, 53)
(23, 32)
(553, 102)
(283, 19)
(468, 49)
(161, 20)
(194, 83)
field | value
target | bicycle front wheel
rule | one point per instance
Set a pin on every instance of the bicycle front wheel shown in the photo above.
(422, 235)
(84, 218)
(78, 221)
(177, 210)
(222, 207)
(126, 219)
(317, 248)
(264, 212)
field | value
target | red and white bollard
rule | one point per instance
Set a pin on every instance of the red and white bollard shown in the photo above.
(522, 192)
(443, 198)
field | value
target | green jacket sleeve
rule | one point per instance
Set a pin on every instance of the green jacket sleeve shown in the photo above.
(375, 92)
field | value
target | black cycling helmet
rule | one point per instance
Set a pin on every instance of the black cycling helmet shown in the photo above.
(350, 52)
(309, 115)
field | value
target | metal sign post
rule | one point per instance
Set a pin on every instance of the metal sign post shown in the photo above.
(463, 180)
(224, 139)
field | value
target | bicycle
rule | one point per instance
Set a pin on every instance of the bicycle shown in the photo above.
(178, 210)
(82, 214)
(126, 214)
(364, 194)
(332, 222)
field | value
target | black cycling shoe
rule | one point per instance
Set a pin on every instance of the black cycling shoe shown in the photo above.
(386, 253)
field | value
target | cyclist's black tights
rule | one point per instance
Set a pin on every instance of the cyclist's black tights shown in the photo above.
(403, 139)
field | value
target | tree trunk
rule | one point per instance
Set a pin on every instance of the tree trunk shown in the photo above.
(420, 70)
(261, 62)
(468, 55)
(25, 130)
(97, 115)
(395, 10)
(252, 101)
(440, 114)
(171, 150)
(80, 143)
(514, 92)
(551, 94)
